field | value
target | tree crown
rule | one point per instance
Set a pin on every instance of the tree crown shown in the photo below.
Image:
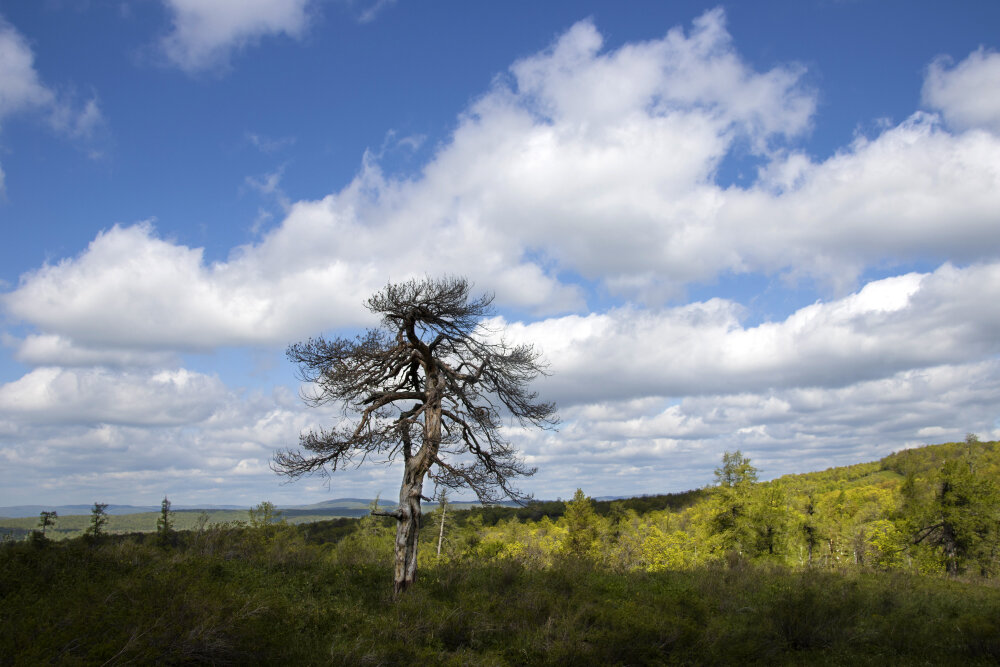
(431, 384)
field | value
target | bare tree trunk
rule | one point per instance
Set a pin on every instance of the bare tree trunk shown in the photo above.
(407, 528)
(410, 492)
(444, 510)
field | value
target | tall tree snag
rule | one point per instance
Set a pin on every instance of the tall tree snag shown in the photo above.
(433, 385)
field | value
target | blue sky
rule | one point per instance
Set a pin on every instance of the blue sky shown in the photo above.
(766, 226)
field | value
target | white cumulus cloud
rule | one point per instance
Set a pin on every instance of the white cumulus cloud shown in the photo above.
(968, 94)
(97, 395)
(581, 164)
(205, 32)
(54, 350)
(894, 324)
(20, 86)
(23, 91)
(543, 177)
(100, 435)
(629, 447)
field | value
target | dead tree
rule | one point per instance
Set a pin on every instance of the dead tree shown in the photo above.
(443, 504)
(433, 385)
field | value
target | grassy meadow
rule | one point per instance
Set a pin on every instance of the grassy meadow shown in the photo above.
(73, 526)
(847, 566)
(240, 596)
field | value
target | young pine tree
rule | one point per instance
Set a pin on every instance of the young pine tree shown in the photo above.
(98, 519)
(769, 515)
(45, 519)
(165, 524)
(963, 520)
(732, 523)
(582, 526)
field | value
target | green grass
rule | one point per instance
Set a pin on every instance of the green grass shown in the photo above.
(228, 596)
(319, 592)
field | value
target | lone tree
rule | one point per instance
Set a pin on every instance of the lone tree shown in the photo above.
(98, 519)
(165, 524)
(432, 384)
(47, 519)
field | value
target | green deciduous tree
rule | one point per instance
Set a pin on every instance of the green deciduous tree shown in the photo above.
(732, 522)
(885, 544)
(667, 550)
(735, 471)
(263, 515)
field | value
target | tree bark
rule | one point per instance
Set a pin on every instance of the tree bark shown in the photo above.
(408, 528)
(411, 490)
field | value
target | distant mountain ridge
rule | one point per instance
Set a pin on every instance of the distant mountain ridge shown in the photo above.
(340, 503)
(352, 505)
(22, 511)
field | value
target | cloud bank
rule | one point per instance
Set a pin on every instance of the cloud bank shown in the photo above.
(581, 174)
(543, 179)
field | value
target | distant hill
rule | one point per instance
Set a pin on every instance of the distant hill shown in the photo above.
(24, 511)
(339, 506)
(334, 507)
(340, 503)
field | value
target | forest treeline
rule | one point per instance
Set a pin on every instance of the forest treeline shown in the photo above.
(893, 561)
(933, 509)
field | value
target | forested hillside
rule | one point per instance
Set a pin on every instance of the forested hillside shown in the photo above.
(929, 509)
